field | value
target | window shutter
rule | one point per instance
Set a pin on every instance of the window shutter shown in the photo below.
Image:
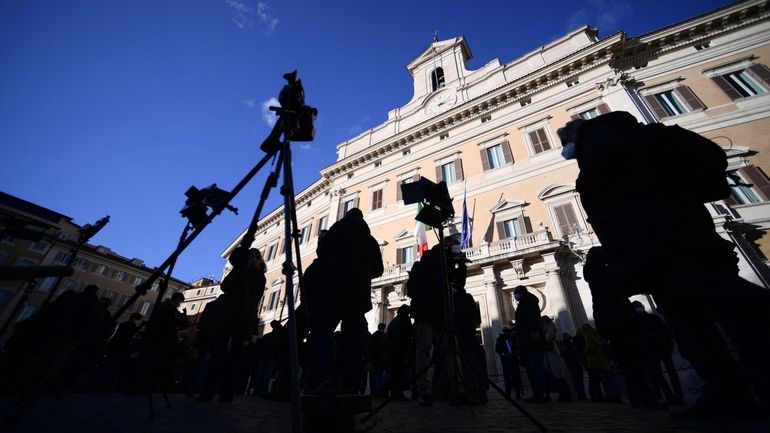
(399, 256)
(507, 152)
(760, 72)
(355, 202)
(758, 179)
(689, 97)
(603, 108)
(309, 230)
(574, 117)
(459, 169)
(565, 218)
(501, 230)
(341, 210)
(535, 142)
(653, 103)
(398, 191)
(726, 87)
(439, 174)
(484, 160)
(527, 225)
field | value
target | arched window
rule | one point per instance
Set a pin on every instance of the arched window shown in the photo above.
(437, 78)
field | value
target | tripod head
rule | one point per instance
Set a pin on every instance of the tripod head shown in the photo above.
(296, 118)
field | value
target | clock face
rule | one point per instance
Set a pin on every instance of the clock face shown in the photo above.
(440, 103)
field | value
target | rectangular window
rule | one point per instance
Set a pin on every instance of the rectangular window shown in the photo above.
(443, 136)
(271, 251)
(566, 219)
(39, 247)
(744, 83)
(192, 308)
(539, 140)
(350, 204)
(487, 118)
(512, 228)
(69, 284)
(590, 114)
(62, 257)
(322, 223)
(46, 284)
(376, 199)
(102, 270)
(25, 262)
(137, 281)
(119, 276)
(26, 312)
(741, 191)
(82, 263)
(495, 156)
(273, 300)
(146, 308)
(448, 173)
(111, 295)
(405, 255)
(212, 290)
(304, 234)
(671, 103)
(198, 292)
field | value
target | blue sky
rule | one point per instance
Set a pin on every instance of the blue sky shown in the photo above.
(117, 107)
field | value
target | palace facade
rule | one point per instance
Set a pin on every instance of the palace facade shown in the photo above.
(490, 133)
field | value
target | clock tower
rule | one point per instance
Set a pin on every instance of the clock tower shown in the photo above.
(438, 73)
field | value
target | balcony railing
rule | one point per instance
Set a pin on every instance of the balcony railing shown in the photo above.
(506, 247)
(509, 246)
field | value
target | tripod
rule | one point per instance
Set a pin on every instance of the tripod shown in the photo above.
(450, 331)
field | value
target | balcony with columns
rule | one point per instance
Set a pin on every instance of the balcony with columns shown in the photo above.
(486, 253)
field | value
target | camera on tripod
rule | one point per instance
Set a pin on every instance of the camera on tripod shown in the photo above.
(437, 204)
(296, 118)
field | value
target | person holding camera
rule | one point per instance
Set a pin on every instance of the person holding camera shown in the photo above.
(690, 270)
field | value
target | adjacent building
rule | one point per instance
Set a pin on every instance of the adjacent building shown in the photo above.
(201, 292)
(490, 133)
(32, 235)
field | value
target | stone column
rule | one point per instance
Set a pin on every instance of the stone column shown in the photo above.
(557, 301)
(494, 323)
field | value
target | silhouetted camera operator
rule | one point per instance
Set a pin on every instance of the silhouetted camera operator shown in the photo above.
(341, 281)
(429, 302)
(629, 170)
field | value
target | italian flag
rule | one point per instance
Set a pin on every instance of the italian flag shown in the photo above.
(420, 234)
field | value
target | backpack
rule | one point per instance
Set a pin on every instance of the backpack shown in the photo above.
(693, 161)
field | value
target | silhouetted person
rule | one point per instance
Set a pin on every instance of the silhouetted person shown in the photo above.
(554, 370)
(505, 347)
(376, 356)
(572, 360)
(349, 259)
(689, 269)
(161, 348)
(400, 338)
(429, 299)
(467, 318)
(657, 343)
(530, 335)
(235, 321)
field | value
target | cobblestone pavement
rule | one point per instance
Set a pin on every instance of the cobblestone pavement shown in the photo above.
(115, 413)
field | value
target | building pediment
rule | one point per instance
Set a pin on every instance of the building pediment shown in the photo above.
(555, 189)
(404, 234)
(436, 48)
(508, 205)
